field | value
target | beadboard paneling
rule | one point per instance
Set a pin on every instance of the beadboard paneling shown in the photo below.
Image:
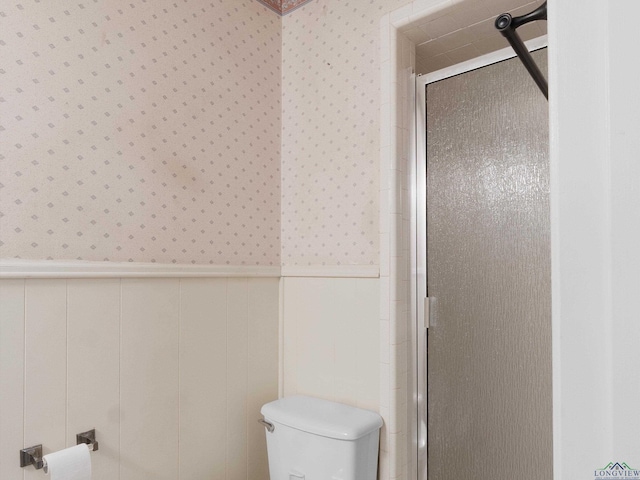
(149, 379)
(262, 378)
(45, 372)
(237, 364)
(11, 376)
(159, 367)
(203, 341)
(93, 366)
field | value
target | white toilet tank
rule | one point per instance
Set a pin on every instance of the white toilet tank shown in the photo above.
(314, 439)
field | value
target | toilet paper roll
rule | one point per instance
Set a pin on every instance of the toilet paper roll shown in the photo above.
(72, 463)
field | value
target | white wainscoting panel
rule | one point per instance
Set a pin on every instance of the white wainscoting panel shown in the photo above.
(11, 377)
(331, 339)
(170, 372)
(45, 392)
(149, 379)
(237, 365)
(262, 368)
(93, 369)
(203, 341)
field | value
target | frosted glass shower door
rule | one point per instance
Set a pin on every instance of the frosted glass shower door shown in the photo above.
(488, 268)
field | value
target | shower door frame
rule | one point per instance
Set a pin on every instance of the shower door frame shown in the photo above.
(420, 305)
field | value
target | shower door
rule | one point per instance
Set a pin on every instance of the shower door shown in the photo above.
(488, 273)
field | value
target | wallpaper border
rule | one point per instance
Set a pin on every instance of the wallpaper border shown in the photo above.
(60, 269)
(283, 9)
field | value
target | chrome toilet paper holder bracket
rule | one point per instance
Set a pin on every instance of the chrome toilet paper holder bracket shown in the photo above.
(89, 438)
(32, 456)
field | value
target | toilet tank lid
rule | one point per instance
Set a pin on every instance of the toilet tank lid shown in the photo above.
(322, 417)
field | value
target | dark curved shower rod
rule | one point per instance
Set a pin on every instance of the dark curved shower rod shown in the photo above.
(507, 26)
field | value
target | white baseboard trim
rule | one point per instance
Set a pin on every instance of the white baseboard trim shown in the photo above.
(77, 269)
(336, 271)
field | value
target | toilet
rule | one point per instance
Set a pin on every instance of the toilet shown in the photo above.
(313, 439)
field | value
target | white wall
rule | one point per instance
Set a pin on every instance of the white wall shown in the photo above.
(595, 158)
(331, 339)
(396, 158)
(625, 229)
(170, 372)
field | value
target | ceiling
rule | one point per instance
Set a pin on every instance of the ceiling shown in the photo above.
(466, 30)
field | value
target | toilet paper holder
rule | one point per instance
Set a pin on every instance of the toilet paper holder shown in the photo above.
(33, 455)
(88, 437)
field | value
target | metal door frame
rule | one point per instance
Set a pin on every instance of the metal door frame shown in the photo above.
(420, 305)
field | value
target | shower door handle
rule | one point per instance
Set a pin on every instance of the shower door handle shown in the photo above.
(428, 315)
(425, 316)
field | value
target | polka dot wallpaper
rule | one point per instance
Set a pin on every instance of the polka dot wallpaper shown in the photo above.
(140, 130)
(153, 131)
(330, 132)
